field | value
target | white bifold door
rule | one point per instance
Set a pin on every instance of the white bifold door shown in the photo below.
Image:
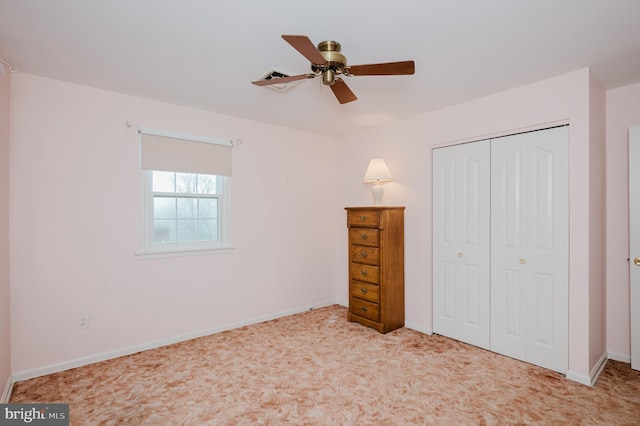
(500, 245)
(461, 201)
(529, 247)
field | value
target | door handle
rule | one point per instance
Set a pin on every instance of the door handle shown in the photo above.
(637, 261)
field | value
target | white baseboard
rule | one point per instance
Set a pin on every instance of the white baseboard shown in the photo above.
(583, 379)
(6, 394)
(619, 357)
(421, 329)
(591, 379)
(79, 362)
(597, 369)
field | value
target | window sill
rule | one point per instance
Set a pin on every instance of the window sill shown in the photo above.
(179, 252)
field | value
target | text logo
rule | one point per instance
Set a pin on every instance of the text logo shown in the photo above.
(34, 414)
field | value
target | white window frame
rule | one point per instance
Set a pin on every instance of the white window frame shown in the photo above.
(147, 248)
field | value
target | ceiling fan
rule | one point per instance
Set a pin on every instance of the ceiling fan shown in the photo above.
(327, 61)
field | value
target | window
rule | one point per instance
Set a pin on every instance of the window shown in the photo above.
(184, 210)
(185, 207)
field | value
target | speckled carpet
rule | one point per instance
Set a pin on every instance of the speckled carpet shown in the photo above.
(315, 368)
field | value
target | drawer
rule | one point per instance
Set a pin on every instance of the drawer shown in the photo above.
(368, 255)
(370, 292)
(362, 272)
(364, 309)
(363, 218)
(364, 237)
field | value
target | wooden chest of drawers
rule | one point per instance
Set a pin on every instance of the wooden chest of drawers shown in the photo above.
(376, 266)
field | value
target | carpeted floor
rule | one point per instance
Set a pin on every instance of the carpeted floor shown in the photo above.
(316, 368)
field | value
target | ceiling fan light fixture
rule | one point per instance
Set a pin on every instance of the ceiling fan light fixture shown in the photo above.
(328, 77)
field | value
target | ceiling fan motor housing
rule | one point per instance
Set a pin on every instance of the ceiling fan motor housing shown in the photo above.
(336, 62)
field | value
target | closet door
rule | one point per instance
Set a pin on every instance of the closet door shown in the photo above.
(529, 246)
(461, 243)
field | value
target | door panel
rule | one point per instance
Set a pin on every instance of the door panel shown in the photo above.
(511, 183)
(471, 188)
(461, 241)
(542, 314)
(471, 295)
(506, 310)
(543, 200)
(529, 221)
(448, 300)
(508, 290)
(634, 242)
(548, 255)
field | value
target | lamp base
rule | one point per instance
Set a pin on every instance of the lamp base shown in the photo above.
(378, 191)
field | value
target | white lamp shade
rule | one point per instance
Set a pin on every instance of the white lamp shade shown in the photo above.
(377, 171)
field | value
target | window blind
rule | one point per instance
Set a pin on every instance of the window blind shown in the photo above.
(176, 152)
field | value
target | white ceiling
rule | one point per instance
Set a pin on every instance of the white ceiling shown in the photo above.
(205, 53)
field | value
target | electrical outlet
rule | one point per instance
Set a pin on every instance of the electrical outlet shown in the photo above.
(83, 321)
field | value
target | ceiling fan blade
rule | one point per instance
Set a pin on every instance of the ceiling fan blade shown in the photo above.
(389, 68)
(280, 80)
(303, 45)
(342, 92)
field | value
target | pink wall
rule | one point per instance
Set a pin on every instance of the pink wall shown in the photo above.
(406, 147)
(74, 210)
(597, 234)
(623, 111)
(5, 331)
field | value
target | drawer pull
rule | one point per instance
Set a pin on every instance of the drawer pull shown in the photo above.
(364, 254)
(364, 309)
(364, 273)
(364, 290)
(363, 237)
(363, 218)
